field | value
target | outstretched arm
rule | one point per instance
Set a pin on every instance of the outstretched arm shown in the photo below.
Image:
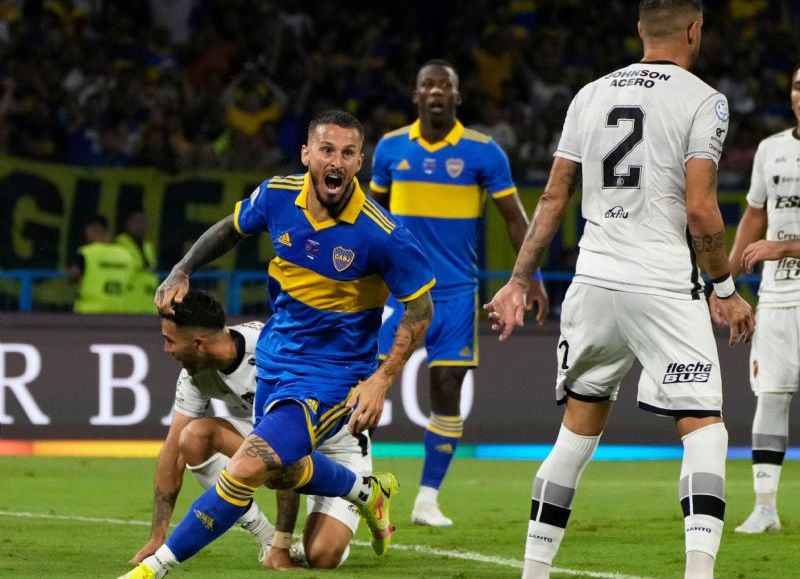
(217, 240)
(370, 394)
(507, 308)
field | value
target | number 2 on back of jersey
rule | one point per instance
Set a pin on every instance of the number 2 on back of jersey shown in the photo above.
(613, 178)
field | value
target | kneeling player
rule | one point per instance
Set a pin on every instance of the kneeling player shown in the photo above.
(218, 364)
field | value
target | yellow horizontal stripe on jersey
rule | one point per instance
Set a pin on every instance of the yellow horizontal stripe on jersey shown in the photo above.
(289, 186)
(418, 199)
(324, 293)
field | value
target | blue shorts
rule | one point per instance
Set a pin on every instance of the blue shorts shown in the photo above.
(452, 339)
(292, 425)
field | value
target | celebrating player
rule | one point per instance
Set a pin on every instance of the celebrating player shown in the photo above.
(338, 255)
(772, 209)
(645, 140)
(433, 175)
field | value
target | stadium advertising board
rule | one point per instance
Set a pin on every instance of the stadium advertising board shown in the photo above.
(107, 377)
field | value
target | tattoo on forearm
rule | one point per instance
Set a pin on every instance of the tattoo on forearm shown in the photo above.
(410, 333)
(707, 243)
(256, 447)
(214, 242)
(163, 506)
(288, 505)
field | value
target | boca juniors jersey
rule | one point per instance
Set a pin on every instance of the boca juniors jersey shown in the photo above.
(328, 281)
(438, 191)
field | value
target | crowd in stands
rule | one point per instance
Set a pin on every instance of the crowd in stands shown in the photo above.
(231, 84)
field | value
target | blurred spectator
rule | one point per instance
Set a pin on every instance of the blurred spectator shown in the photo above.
(144, 279)
(103, 271)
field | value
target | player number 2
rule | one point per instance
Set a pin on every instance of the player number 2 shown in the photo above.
(564, 344)
(618, 180)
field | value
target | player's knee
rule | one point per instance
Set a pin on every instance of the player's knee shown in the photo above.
(321, 556)
(446, 384)
(289, 477)
(195, 441)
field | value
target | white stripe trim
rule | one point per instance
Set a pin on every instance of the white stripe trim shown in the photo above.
(423, 549)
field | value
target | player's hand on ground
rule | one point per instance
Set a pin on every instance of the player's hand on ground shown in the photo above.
(507, 308)
(148, 549)
(713, 308)
(171, 291)
(366, 400)
(278, 558)
(759, 251)
(738, 316)
(537, 296)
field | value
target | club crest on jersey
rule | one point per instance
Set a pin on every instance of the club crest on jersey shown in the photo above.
(721, 108)
(342, 258)
(429, 165)
(454, 167)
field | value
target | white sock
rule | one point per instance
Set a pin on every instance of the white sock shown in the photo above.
(702, 490)
(536, 570)
(162, 561)
(253, 521)
(361, 491)
(257, 524)
(553, 490)
(699, 565)
(770, 439)
(427, 495)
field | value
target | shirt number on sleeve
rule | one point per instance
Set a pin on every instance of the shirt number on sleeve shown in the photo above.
(613, 177)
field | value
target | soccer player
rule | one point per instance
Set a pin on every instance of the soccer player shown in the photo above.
(219, 364)
(434, 175)
(645, 140)
(338, 255)
(772, 209)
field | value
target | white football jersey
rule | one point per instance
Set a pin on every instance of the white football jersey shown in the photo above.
(775, 184)
(237, 389)
(633, 131)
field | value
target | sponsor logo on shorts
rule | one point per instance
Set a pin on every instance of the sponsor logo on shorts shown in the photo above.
(788, 268)
(693, 372)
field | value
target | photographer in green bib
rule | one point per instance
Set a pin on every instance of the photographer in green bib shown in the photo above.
(144, 281)
(103, 271)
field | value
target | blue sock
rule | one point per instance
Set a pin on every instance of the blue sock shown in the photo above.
(326, 478)
(213, 513)
(441, 440)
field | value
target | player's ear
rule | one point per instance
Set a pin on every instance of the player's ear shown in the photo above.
(304, 155)
(415, 97)
(693, 31)
(360, 162)
(640, 29)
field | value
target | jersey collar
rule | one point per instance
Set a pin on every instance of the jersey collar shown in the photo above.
(451, 138)
(349, 214)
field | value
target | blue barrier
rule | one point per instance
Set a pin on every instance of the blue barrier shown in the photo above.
(235, 280)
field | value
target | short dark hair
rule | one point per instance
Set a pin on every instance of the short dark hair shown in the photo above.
(647, 6)
(199, 309)
(334, 117)
(439, 62)
(97, 219)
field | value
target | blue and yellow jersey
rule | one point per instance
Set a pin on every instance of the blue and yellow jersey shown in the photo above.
(438, 191)
(328, 282)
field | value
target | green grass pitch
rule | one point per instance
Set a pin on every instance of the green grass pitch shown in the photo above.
(626, 522)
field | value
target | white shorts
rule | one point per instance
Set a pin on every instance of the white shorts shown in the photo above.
(243, 426)
(345, 449)
(603, 331)
(775, 353)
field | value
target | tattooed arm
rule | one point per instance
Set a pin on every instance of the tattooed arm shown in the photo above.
(217, 240)
(707, 234)
(507, 308)
(369, 395)
(169, 477)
